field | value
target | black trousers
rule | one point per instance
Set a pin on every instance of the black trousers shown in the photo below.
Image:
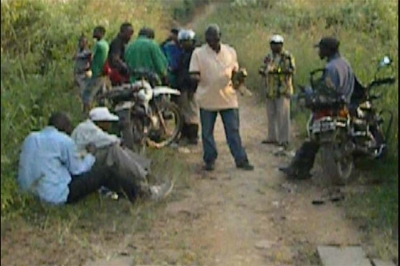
(89, 182)
(305, 156)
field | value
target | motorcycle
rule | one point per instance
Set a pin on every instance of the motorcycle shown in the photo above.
(346, 131)
(152, 111)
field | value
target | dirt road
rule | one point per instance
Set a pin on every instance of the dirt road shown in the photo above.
(233, 217)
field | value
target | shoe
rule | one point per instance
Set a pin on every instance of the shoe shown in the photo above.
(284, 145)
(245, 166)
(295, 174)
(266, 141)
(209, 166)
(162, 191)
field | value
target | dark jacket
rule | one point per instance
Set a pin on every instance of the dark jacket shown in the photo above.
(184, 81)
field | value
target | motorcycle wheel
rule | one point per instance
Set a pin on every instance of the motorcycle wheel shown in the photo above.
(335, 165)
(171, 115)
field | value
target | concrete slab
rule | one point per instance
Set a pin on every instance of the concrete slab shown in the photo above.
(349, 256)
(377, 262)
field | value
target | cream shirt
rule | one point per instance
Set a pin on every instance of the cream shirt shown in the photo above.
(215, 90)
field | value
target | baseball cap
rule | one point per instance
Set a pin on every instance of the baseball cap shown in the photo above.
(328, 42)
(102, 114)
(276, 39)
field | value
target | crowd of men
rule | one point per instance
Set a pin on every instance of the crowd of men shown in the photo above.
(62, 165)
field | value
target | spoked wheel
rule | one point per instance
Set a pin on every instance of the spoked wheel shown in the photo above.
(165, 126)
(337, 164)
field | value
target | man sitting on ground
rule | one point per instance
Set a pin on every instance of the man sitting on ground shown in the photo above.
(50, 168)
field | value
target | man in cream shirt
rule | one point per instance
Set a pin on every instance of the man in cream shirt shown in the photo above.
(211, 66)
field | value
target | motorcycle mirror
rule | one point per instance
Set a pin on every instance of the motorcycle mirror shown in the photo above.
(385, 61)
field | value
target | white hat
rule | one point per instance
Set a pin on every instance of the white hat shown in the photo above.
(102, 114)
(276, 39)
(186, 35)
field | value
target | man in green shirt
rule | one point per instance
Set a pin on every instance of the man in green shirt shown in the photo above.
(144, 53)
(99, 78)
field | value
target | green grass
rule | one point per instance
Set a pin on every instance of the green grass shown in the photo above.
(367, 30)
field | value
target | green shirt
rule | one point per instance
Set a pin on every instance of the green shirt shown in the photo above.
(145, 53)
(100, 53)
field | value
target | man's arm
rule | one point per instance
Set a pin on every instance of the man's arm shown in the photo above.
(194, 67)
(159, 60)
(74, 164)
(114, 57)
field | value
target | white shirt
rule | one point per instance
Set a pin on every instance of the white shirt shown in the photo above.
(87, 132)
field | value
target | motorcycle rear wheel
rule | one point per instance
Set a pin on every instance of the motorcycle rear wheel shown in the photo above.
(337, 167)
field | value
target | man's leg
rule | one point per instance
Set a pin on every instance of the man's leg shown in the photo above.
(271, 120)
(283, 120)
(100, 175)
(303, 161)
(126, 128)
(230, 119)
(208, 119)
(192, 118)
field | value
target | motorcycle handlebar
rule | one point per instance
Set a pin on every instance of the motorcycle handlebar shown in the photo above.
(383, 81)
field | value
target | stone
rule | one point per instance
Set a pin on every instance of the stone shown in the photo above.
(336, 256)
(378, 262)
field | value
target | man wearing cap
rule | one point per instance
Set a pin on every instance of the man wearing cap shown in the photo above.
(109, 149)
(51, 169)
(337, 75)
(211, 66)
(278, 70)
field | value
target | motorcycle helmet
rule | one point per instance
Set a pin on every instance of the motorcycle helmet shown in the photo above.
(186, 35)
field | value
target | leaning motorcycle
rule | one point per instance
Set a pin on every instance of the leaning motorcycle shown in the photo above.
(347, 131)
(156, 121)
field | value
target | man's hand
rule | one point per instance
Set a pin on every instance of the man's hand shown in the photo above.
(91, 148)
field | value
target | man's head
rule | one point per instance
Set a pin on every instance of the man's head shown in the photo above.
(173, 35)
(213, 36)
(126, 31)
(186, 39)
(83, 42)
(99, 32)
(61, 122)
(102, 117)
(328, 46)
(147, 32)
(276, 44)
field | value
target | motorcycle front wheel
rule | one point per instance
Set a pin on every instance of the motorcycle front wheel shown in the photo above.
(337, 166)
(166, 126)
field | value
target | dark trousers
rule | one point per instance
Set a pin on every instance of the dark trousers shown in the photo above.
(89, 182)
(305, 156)
(230, 119)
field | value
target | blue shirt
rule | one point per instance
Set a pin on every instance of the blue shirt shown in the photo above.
(173, 53)
(339, 72)
(47, 162)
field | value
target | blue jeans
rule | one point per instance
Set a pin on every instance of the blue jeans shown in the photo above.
(230, 119)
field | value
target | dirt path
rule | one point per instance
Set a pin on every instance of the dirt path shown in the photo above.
(232, 217)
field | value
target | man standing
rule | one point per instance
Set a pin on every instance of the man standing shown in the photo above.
(173, 52)
(144, 53)
(116, 56)
(278, 71)
(212, 66)
(51, 169)
(98, 79)
(338, 76)
(82, 64)
(187, 87)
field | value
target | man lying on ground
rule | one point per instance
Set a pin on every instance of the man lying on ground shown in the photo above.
(51, 169)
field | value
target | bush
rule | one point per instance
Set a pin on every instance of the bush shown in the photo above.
(38, 39)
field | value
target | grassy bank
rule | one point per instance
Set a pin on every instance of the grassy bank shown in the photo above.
(367, 30)
(38, 40)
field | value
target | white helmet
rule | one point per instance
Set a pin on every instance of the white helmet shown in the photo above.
(186, 35)
(276, 39)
